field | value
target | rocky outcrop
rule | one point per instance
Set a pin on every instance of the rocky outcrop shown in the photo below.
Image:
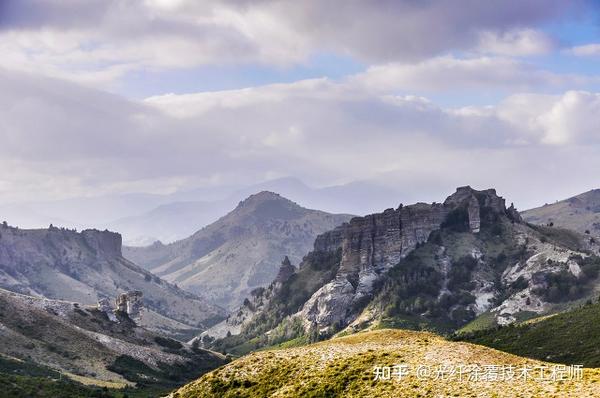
(286, 270)
(371, 245)
(426, 265)
(130, 303)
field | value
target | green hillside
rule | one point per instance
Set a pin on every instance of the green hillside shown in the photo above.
(571, 337)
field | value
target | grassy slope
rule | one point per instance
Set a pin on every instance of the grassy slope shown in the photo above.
(344, 367)
(569, 337)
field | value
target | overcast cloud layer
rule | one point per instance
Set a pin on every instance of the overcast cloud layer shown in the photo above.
(65, 133)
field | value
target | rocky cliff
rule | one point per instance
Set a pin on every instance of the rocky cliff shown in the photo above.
(373, 244)
(86, 267)
(440, 265)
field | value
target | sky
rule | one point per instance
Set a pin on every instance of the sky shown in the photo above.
(104, 97)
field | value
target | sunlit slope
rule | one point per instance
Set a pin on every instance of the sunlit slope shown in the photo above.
(568, 337)
(344, 367)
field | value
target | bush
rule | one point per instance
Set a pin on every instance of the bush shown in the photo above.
(168, 343)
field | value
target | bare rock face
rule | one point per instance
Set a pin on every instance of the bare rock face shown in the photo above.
(373, 244)
(105, 307)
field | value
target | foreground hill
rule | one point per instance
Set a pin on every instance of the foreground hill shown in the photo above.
(580, 213)
(85, 267)
(345, 367)
(226, 260)
(569, 337)
(82, 343)
(435, 266)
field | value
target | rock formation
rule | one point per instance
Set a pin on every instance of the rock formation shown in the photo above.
(371, 245)
(105, 307)
(286, 270)
(130, 303)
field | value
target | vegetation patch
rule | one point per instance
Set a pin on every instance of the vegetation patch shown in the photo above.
(571, 337)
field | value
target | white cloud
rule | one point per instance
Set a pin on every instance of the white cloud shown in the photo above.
(451, 73)
(61, 139)
(95, 41)
(519, 42)
(586, 50)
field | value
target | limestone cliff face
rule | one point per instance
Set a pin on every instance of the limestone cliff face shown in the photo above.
(371, 245)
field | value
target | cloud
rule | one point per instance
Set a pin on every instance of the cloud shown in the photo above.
(520, 42)
(587, 50)
(60, 139)
(450, 73)
(97, 40)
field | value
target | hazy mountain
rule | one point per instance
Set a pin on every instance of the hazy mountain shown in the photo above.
(437, 265)
(177, 220)
(580, 213)
(241, 251)
(81, 342)
(144, 218)
(84, 267)
(169, 222)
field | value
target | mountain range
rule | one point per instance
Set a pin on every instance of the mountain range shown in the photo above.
(470, 259)
(273, 274)
(241, 251)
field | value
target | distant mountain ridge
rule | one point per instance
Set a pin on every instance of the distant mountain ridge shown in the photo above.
(579, 213)
(143, 218)
(87, 266)
(241, 251)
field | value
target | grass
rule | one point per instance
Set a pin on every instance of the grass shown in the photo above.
(344, 367)
(483, 321)
(572, 337)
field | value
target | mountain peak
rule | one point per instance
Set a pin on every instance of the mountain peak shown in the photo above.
(263, 197)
